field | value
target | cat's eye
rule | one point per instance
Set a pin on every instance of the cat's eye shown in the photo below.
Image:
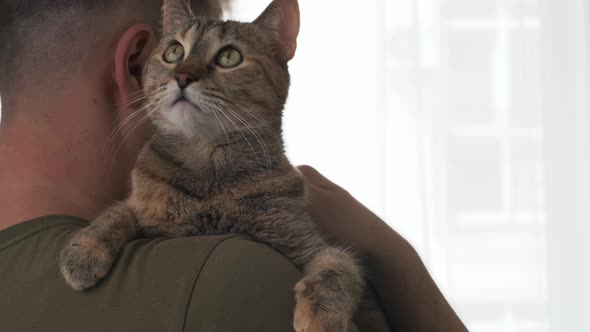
(229, 57)
(174, 53)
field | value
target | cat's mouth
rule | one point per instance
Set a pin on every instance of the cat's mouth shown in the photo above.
(184, 104)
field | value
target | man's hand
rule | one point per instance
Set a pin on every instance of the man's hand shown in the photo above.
(348, 222)
(409, 296)
(343, 218)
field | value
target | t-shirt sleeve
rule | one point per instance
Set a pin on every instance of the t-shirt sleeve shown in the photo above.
(205, 283)
(243, 286)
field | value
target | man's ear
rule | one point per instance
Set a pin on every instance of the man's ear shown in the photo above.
(175, 14)
(281, 20)
(133, 51)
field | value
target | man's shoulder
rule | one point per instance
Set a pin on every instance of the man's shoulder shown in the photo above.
(204, 283)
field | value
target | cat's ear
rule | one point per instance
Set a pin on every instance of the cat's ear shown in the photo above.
(281, 20)
(175, 14)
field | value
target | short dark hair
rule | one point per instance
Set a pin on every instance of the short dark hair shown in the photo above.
(46, 36)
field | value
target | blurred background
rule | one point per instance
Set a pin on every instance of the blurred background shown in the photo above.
(465, 125)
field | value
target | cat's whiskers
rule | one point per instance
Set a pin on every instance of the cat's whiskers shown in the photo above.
(256, 135)
(121, 125)
(258, 138)
(254, 115)
(264, 122)
(222, 126)
(237, 128)
(252, 130)
(219, 107)
(150, 112)
(150, 108)
(157, 95)
(141, 95)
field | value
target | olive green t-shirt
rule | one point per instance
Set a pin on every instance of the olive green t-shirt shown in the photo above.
(209, 283)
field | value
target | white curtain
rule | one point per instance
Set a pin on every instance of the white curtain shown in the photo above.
(465, 125)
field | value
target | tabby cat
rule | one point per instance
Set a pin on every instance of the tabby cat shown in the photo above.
(215, 94)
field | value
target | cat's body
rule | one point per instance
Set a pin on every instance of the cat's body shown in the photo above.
(216, 164)
(220, 189)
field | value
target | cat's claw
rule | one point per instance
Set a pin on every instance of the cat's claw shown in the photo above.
(84, 262)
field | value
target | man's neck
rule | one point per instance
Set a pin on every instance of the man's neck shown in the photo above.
(52, 162)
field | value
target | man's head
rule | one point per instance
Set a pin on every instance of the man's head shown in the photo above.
(46, 42)
(70, 72)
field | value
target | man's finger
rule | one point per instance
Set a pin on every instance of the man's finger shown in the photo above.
(314, 177)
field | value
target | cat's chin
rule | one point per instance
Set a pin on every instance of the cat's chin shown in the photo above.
(190, 119)
(184, 105)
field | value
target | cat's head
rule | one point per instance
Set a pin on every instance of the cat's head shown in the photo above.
(207, 77)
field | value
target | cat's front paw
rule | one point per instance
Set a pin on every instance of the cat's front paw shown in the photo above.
(84, 261)
(317, 310)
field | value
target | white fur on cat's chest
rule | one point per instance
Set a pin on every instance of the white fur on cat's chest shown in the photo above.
(190, 119)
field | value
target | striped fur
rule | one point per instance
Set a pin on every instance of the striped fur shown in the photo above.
(223, 170)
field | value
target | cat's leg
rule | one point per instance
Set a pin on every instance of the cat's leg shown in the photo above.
(89, 254)
(329, 292)
(332, 284)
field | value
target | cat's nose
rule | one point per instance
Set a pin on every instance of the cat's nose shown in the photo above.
(185, 79)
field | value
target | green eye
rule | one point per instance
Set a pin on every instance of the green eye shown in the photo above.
(174, 53)
(229, 57)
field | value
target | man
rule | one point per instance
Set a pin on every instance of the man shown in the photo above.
(71, 72)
